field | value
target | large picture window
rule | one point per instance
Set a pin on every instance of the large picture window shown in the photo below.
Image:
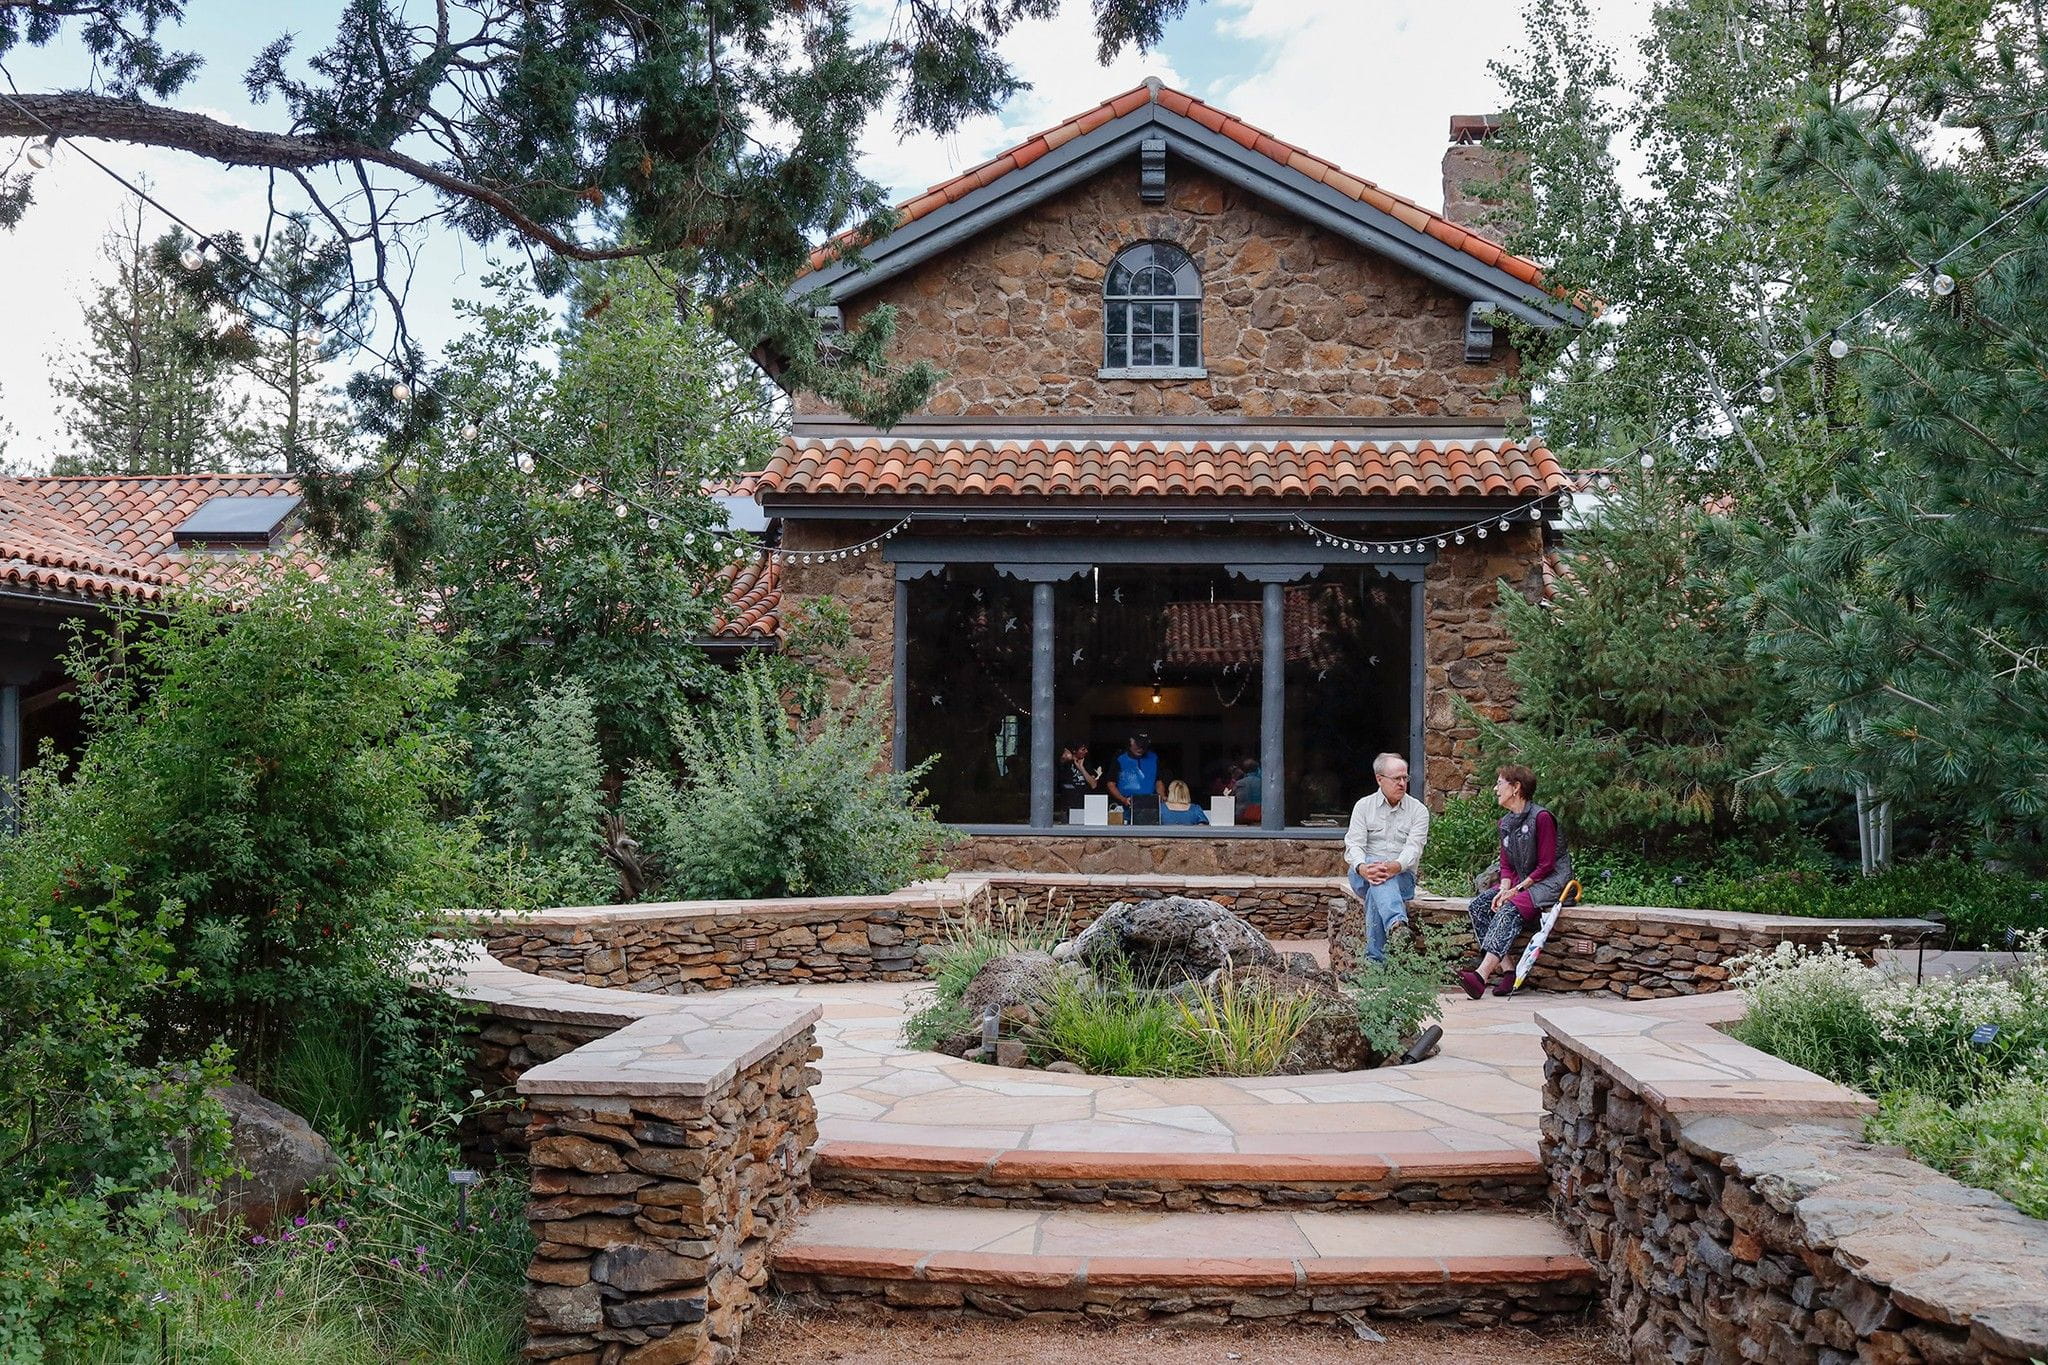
(967, 693)
(1176, 653)
(1152, 310)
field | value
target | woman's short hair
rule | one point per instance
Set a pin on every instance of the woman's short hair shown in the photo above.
(1524, 780)
(1177, 791)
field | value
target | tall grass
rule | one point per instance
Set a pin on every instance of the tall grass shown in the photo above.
(1244, 1028)
(382, 1269)
(1116, 1029)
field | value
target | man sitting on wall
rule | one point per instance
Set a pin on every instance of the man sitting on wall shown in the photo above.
(1382, 851)
(1137, 787)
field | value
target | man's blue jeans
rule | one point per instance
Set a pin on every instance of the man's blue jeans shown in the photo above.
(1386, 905)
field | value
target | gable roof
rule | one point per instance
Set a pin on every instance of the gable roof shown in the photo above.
(94, 539)
(948, 213)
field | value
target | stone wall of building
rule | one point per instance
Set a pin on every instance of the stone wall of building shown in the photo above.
(1639, 953)
(1465, 639)
(1734, 1215)
(1279, 907)
(1296, 321)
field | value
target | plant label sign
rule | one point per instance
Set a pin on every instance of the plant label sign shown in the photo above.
(1983, 1035)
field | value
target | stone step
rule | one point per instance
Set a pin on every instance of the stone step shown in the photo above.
(1022, 1178)
(1480, 1269)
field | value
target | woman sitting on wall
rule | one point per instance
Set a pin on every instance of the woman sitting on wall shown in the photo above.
(1179, 807)
(1534, 869)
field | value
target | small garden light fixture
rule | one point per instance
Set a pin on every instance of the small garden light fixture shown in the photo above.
(462, 1178)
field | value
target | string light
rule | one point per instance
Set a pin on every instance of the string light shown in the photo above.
(469, 431)
(40, 154)
(401, 392)
(191, 259)
(1838, 348)
(1944, 283)
(1767, 394)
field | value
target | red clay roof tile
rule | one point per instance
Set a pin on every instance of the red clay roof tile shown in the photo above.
(1303, 468)
(1178, 102)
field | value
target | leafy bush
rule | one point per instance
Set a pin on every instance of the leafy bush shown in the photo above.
(257, 785)
(540, 780)
(965, 946)
(1808, 1006)
(1979, 1112)
(1395, 998)
(1464, 839)
(1996, 1140)
(772, 807)
(1116, 1029)
(1243, 1028)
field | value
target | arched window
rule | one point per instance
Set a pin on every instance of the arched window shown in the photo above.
(1152, 310)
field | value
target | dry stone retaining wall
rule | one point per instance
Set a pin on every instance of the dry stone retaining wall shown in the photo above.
(1640, 953)
(1734, 1215)
(667, 1145)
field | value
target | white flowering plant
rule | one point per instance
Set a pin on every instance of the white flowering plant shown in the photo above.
(1808, 1005)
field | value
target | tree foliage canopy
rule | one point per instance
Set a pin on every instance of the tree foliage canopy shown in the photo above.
(718, 136)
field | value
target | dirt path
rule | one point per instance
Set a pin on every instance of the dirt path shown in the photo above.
(778, 1338)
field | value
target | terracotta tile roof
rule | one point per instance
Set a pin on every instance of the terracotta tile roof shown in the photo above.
(753, 600)
(1313, 618)
(108, 538)
(1121, 467)
(1323, 172)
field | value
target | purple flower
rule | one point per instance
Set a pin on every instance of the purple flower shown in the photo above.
(279, 1294)
(299, 1221)
(341, 1225)
(327, 1245)
(259, 1241)
(395, 1260)
(290, 1237)
(420, 1251)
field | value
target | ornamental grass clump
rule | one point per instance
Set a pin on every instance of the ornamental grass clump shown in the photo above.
(1243, 1028)
(1116, 1028)
(968, 943)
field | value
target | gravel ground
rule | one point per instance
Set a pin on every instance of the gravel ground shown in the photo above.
(780, 1338)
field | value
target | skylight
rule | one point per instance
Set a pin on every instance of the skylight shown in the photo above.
(236, 521)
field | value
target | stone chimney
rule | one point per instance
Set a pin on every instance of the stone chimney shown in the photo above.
(1474, 169)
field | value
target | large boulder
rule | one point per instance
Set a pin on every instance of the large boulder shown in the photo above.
(1331, 1042)
(278, 1153)
(1169, 940)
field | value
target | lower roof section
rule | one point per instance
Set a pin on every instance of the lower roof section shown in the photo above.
(1306, 467)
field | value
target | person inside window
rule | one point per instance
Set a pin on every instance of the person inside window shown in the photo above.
(1250, 790)
(1534, 870)
(1180, 807)
(1137, 787)
(1076, 777)
(1382, 850)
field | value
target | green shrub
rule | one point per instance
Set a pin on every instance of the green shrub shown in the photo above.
(1395, 998)
(1996, 1140)
(540, 781)
(1116, 1029)
(771, 807)
(1244, 1029)
(1464, 839)
(262, 779)
(1808, 1006)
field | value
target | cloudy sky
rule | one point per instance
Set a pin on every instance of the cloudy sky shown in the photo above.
(1370, 84)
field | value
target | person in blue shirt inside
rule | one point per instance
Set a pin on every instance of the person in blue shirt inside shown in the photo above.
(1180, 808)
(1137, 787)
(1249, 789)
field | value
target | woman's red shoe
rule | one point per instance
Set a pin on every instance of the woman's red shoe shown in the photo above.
(1474, 984)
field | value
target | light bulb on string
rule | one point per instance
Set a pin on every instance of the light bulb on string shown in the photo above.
(1503, 523)
(654, 524)
(40, 154)
(1536, 513)
(1482, 533)
(1944, 283)
(525, 463)
(1767, 394)
(1441, 542)
(620, 511)
(469, 431)
(1838, 348)
(1460, 537)
(1649, 461)
(401, 392)
(576, 489)
(191, 259)
(312, 335)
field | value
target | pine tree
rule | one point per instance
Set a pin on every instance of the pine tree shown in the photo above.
(1635, 703)
(1910, 610)
(139, 398)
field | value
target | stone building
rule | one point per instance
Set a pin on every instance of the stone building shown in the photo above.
(1223, 454)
